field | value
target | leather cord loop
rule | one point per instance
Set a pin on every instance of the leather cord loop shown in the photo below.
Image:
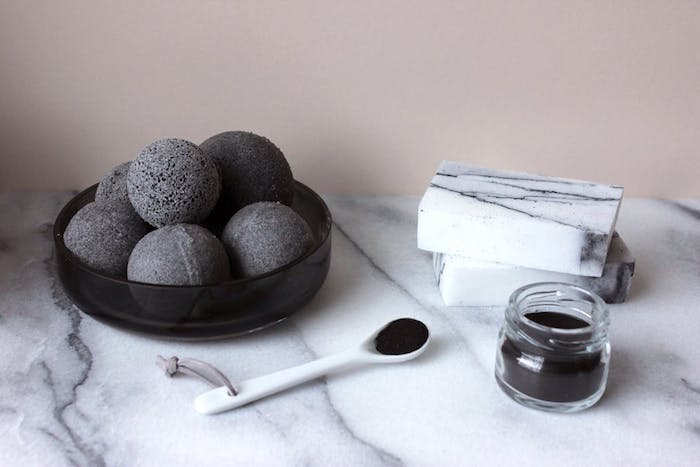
(197, 368)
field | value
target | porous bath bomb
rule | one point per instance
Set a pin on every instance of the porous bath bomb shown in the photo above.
(112, 187)
(252, 169)
(264, 236)
(103, 234)
(172, 181)
(180, 254)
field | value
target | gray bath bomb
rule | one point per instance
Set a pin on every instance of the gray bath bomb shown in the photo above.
(252, 169)
(112, 187)
(103, 234)
(180, 254)
(264, 236)
(171, 182)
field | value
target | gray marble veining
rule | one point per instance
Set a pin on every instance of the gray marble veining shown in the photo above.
(75, 392)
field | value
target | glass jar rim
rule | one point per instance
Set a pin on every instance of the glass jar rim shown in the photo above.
(599, 320)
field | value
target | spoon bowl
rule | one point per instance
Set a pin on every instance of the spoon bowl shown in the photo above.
(368, 348)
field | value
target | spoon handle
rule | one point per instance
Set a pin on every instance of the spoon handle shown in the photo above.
(218, 400)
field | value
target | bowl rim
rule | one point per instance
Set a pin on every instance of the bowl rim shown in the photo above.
(59, 244)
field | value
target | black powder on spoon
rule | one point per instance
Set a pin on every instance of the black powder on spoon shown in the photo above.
(556, 377)
(401, 336)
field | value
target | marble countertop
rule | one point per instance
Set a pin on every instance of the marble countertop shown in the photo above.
(76, 392)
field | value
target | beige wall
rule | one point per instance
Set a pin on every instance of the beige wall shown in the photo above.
(363, 96)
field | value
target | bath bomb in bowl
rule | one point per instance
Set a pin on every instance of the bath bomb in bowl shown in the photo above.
(180, 254)
(264, 236)
(112, 187)
(102, 235)
(252, 169)
(171, 182)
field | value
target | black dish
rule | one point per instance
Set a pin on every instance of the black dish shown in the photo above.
(199, 312)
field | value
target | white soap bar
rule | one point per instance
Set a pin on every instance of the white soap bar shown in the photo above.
(465, 282)
(539, 222)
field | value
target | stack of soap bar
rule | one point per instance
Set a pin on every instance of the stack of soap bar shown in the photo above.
(463, 281)
(526, 220)
(491, 232)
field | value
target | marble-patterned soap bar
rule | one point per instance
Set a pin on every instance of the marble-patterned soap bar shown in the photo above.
(527, 220)
(465, 282)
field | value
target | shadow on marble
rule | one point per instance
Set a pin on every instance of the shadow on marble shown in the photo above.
(641, 285)
(341, 284)
(436, 347)
(623, 374)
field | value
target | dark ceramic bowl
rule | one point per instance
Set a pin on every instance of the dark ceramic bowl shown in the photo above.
(199, 312)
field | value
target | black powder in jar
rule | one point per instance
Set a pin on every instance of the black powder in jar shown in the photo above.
(552, 376)
(553, 348)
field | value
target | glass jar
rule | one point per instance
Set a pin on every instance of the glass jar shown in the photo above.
(553, 348)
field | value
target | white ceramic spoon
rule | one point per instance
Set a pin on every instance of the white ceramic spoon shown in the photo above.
(219, 400)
